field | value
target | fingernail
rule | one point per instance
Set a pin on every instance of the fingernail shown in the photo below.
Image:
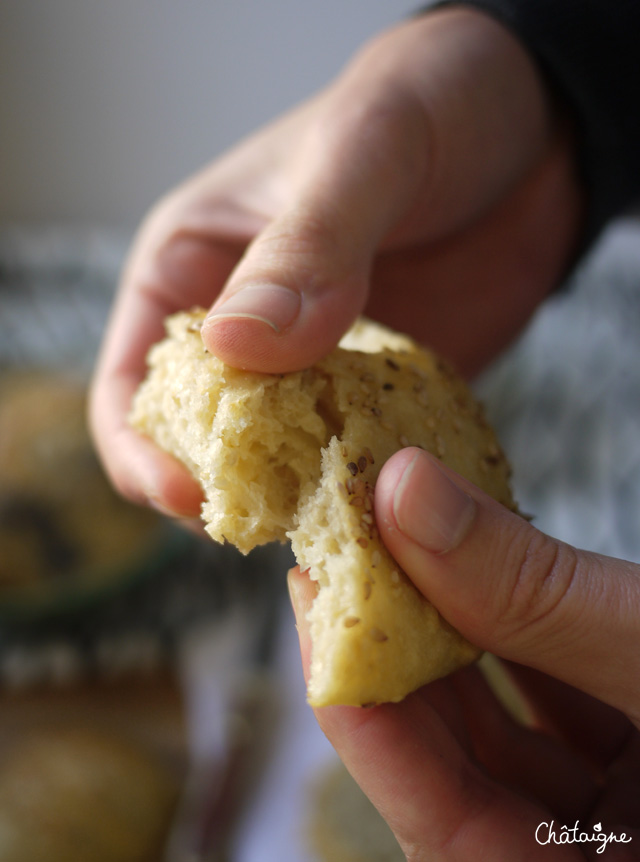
(273, 304)
(295, 589)
(429, 508)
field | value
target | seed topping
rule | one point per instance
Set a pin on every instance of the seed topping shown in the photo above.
(350, 622)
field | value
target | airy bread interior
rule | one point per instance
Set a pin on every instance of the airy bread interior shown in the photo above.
(296, 456)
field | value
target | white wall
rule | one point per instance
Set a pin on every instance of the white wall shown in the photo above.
(105, 104)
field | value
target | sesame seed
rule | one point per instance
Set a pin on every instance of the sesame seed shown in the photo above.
(378, 635)
(376, 558)
(367, 589)
(359, 487)
(368, 455)
(364, 543)
(362, 463)
(392, 364)
(356, 501)
(403, 441)
(350, 622)
(367, 519)
(352, 467)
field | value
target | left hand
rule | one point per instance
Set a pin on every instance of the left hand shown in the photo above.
(433, 185)
(451, 771)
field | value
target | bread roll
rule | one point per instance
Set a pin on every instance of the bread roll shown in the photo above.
(296, 456)
(81, 794)
(63, 529)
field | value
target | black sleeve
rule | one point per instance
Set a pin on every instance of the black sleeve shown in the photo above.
(590, 51)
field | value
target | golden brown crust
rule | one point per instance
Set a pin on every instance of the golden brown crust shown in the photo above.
(297, 456)
(51, 539)
(76, 793)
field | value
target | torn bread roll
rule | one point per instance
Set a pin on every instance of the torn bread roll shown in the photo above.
(296, 456)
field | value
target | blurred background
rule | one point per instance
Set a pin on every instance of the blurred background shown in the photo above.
(105, 106)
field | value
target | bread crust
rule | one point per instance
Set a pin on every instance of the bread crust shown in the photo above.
(296, 457)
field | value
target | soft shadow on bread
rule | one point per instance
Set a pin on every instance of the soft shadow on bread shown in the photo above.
(296, 457)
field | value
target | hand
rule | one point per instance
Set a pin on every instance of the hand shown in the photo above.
(431, 185)
(450, 770)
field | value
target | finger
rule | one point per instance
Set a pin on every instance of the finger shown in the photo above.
(391, 157)
(485, 281)
(619, 803)
(509, 588)
(412, 760)
(168, 269)
(588, 725)
(524, 757)
(305, 277)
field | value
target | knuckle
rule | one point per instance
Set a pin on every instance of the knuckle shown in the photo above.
(163, 216)
(539, 597)
(299, 244)
(301, 231)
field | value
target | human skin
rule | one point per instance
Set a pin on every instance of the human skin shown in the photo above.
(433, 186)
(450, 769)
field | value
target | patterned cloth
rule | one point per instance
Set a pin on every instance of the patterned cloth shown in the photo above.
(566, 402)
(56, 289)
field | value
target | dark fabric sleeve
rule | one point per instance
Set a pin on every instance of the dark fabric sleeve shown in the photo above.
(590, 51)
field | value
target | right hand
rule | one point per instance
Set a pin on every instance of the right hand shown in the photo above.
(432, 186)
(451, 771)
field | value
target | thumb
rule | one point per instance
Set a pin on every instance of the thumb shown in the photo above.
(508, 587)
(390, 154)
(306, 274)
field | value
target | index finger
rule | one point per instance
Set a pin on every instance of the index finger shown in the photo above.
(172, 266)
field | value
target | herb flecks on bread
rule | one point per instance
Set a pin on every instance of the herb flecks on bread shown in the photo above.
(296, 456)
